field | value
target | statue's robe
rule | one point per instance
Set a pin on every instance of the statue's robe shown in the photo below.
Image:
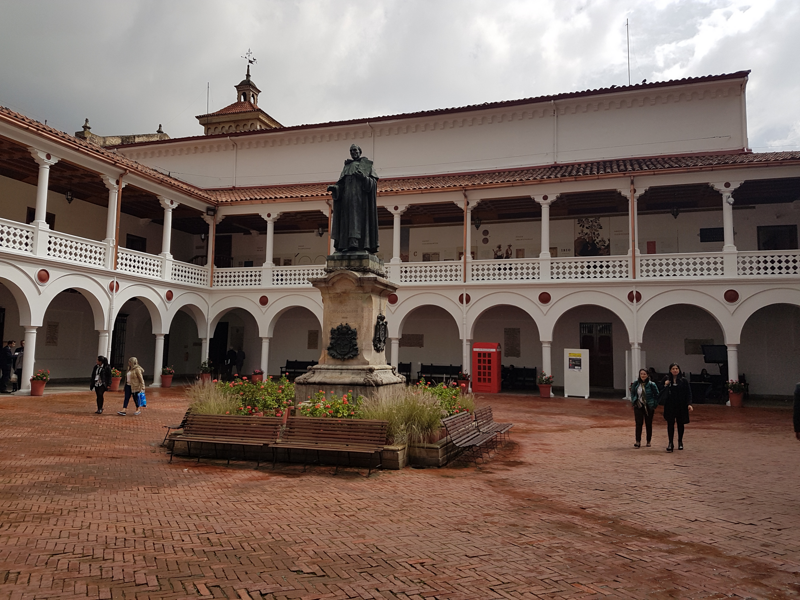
(355, 209)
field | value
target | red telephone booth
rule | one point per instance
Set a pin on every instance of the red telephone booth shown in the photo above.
(486, 361)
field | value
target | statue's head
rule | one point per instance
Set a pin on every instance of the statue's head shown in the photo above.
(355, 151)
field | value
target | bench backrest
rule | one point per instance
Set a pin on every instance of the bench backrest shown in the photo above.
(484, 417)
(299, 365)
(234, 426)
(335, 431)
(458, 424)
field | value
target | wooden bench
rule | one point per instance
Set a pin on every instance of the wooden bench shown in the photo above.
(466, 437)
(174, 426)
(484, 419)
(405, 369)
(438, 373)
(320, 434)
(521, 378)
(295, 368)
(228, 430)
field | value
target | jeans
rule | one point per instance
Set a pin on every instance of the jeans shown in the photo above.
(99, 390)
(647, 419)
(128, 394)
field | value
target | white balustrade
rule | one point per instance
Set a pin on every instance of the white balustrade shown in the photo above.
(431, 272)
(705, 264)
(76, 249)
(785, 262)
(188, 273)
(589, 267)
(16, 236)
(525, 269)
(296, 275)
(138, 263)
(238, 277)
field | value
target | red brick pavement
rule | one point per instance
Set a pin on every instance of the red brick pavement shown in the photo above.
(90, 508)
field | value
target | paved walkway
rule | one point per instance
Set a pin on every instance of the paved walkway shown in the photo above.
(89, 507)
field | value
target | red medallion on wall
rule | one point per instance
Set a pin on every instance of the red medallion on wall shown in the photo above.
(392, 298)
(169, 295)
(545, 298)
(263, 300)
(43, 276)
(113, 286)
(638, 297)
(731, 296)
(461, 299)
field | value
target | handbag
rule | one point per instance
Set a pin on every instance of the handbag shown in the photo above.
(13, 377)
(142, 399)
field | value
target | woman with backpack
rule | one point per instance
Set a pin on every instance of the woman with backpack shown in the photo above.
(644, 398)
(100, 381)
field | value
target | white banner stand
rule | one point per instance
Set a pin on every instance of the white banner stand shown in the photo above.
(576, 372)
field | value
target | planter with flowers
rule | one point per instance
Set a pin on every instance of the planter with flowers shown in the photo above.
(736, 390)
(38, 381)
(167, 373)
(116, 377)
(258, 375)
(545, 383)
(462, 379)
(205, 371)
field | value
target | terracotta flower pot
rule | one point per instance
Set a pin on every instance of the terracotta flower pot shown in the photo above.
(166, 381)
(257, 377)
(205, 377)
(463, 385)
(544, 390)
(37, 387)
(115, 384)
(735, 398)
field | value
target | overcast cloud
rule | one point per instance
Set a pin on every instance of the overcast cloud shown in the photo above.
(129, 66)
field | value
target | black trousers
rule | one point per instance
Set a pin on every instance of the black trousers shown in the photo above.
(646, 419)
(99, 390)
(671, 430)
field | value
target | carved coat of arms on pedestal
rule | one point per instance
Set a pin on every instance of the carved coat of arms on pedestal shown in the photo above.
(344, 342)
(381, 334)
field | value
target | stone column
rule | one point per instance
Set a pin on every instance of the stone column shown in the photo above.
(547, 358)
(102, 343)
(166, 237)
(733, 361)
(28, 360)
(636, 360)
(210, 251)
(41, 228)
(159, 361)
(466, 359)
(113, 187)
(544, 253)
(395, 351)
(394, 268)
(265, 355)
(726, 189)
(203, 349)
(269, 261)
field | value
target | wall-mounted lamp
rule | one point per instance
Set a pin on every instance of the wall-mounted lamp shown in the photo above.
(211, 211)
(69, 196)
(202, 237)
(320, 232)
(675, 212)
(477, 222)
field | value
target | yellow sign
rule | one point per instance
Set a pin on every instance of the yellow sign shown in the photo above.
(575, 355)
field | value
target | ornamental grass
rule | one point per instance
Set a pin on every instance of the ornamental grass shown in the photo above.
(241, 397)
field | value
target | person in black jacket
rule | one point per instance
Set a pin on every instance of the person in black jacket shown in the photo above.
(677, 395)
(101, 381)
(797, 411)
(7, 364)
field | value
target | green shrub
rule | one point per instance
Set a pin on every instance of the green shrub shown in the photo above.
(344, 407)
(241, 397)
(450, 398)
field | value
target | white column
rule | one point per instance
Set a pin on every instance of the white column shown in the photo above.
(726, 190)
(466, 363)
(41, 228)
(159, 361)
(28, 360)
(102, 343)
(395, 351)
(112, 184)
(265, 355)
(210, 251)
(269, 259)
(394, 271)
(547, 362)
(636, 360)
(733, 361)
(203, 349)
(544, 253)
(166, 236)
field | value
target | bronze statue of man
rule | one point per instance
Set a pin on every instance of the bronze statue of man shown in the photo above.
(355, 211)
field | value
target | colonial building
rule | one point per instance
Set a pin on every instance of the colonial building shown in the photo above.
(633, 221)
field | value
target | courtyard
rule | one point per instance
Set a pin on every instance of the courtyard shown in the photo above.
(90, 508)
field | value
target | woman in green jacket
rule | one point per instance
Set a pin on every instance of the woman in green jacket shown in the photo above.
(644, 397)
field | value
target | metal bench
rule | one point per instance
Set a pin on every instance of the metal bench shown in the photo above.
(484, 419)
(295, 368)
(174, 426)
(466, 437)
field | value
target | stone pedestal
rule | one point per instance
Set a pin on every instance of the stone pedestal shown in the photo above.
(354, 293)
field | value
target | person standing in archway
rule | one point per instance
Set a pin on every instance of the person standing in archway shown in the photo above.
(7, 363)
(644, 397)
(677, 398)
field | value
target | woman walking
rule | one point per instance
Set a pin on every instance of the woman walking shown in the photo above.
(100, 381)
(134, 383)
(644, 397)
(677, 396)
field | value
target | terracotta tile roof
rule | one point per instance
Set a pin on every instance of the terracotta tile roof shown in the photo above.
(510, 177)
(118, 160)
(472, 107)
(236, 107)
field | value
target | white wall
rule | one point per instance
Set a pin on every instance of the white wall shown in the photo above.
(442, 346)
(490, 328)
(769, 353)
(76, 352)
(290, 339)
(184, 345)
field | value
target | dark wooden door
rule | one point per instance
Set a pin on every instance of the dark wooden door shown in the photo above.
(596, 338)
(218, 347)
(223, 251)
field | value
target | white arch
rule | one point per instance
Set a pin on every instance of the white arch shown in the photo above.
(406, 307)
(195, 305)
(672, 297)
(598, 298)
(288, 302)
(25, 292)
(480, 306)
(95, 295)
(756, 302)
(152, 300)
(227, 304)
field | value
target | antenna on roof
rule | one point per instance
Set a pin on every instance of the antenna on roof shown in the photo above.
(628, 38)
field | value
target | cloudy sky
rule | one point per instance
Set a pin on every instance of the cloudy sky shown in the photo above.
(129, 66)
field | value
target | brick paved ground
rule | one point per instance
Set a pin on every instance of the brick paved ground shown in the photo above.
(89, 507)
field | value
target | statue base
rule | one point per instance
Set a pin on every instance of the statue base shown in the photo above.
(353, 358)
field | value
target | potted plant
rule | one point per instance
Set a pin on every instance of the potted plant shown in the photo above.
(545, 383)
(166, 376)
(205, 371)
(258, 375)
(38, 381)
(462, 379)
(736, 391)
(116, 377)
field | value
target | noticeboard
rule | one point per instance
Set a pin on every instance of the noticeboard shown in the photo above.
(576, 372)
